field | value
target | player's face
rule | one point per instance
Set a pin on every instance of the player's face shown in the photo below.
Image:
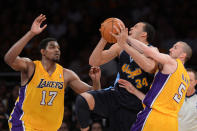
(64, 127)
(96, 127)
(137, 30)
(52, 51)
(192, 79)
(176, 50)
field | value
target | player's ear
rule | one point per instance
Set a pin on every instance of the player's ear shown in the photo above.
(195, 82)
(42, 51)
(144, 34)
(183, 55)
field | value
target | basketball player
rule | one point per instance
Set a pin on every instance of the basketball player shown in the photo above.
(40, 104)
(166, 95)
(115, 103)
(188, 113)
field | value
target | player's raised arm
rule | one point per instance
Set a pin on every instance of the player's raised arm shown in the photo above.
(12, 56)
(127, 43)
(100, 56)
(149, 51)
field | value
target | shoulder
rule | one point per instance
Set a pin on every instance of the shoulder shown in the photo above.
(30, 64)
(69, 74)
(169, 60)
(28, 61)
(67, 71)
(169, 64)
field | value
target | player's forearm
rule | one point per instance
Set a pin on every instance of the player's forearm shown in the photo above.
(17, 48)
(138, 45)
(139, 94)
(145, 63)
(96, 56)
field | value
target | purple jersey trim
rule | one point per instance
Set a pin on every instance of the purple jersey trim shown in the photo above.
(17, 123)
(156, 88)
(141, 120)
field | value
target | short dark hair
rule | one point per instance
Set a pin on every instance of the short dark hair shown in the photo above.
(150, 31)
(187, 49)
(193, 71)
(44, 42)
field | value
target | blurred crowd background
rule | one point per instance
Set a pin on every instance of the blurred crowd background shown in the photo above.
(75, 24)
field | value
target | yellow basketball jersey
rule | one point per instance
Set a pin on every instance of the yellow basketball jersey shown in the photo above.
(40, 104)
(163, 101)
(168, 91)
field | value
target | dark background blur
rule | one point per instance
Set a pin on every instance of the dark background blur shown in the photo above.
(75, 24)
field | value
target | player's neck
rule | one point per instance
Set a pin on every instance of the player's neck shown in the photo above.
(49, 66)
(183, 61)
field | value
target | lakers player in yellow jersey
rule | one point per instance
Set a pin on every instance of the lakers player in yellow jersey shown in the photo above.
(40, 104)
(166, 95)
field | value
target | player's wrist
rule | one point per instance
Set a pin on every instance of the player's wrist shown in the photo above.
(31, 33)
(135, 91)
(103, 41)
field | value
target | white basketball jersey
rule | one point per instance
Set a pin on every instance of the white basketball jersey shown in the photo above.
(188, 114)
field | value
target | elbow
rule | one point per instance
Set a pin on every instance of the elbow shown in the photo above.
(147, 70)
(150, 68)
(91, 62)
(6, 59)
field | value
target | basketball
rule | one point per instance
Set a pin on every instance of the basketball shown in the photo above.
(108, 26)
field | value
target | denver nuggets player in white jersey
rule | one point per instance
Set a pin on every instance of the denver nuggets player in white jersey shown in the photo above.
(40, 104)
(167, 93)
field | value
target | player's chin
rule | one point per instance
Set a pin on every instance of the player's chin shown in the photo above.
(56, 60)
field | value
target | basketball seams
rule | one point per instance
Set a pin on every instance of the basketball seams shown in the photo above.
(108, 26)
(112, 29)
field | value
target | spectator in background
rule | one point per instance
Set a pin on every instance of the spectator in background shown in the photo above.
(58, 28)
(3, 93)
(96, 126)
(12, 98)
(188, 113)
(64, 127)
(3, 117)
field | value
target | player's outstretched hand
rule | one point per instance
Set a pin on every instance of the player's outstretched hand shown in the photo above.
(35, 28)
(95, 73)
(127, 85)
